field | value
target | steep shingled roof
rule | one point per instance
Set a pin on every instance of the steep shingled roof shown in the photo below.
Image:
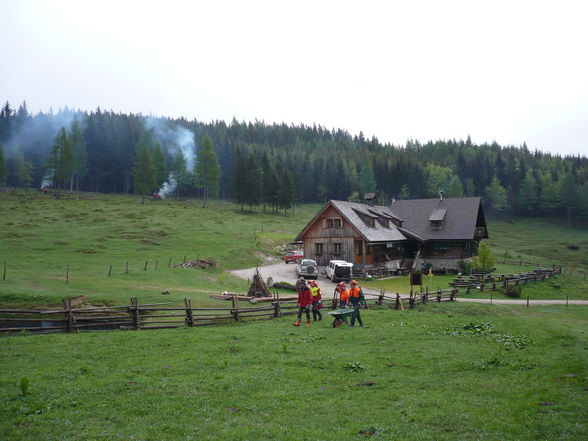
(458, 220)
(458, 215)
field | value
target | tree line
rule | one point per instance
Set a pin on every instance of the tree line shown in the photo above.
(275, 166)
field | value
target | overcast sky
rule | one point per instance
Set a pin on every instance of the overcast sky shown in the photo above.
(511, 71)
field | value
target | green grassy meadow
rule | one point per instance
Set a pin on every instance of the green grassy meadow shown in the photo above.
(41, 235)
(449, 371)
(440, 372)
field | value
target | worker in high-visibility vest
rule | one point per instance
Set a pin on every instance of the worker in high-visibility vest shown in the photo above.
(316, 300)
(356, 298)
(343, 294)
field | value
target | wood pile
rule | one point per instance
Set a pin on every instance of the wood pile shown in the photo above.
(258, 287)
(200, 263)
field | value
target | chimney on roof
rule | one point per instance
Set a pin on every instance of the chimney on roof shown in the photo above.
(441, 196)
(370, 198)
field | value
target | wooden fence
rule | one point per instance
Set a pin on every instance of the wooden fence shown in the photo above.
(164, 315)
(136, 316)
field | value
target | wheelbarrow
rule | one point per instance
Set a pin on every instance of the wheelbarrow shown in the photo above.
(340, 316)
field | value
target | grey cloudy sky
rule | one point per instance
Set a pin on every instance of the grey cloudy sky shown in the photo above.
(511, 71)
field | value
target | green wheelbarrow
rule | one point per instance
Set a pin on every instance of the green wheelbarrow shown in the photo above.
(340, 316)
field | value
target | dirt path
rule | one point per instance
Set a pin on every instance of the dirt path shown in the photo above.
(524, 302)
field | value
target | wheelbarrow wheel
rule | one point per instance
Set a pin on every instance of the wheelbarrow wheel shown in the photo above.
(336, 323)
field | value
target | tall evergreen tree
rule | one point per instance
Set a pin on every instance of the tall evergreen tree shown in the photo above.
(207, 170)
(568, 194)
(527, 197)
(179, 172)
(455, 189)
(549, 197)
(22, 170)
(80, 155)
(496, 196)
(144, 173)
(160, 165)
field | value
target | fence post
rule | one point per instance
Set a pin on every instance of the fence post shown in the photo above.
(236, 308)
(110, 270)
(439, 296)
(134, 310)
(411, 302)
(189, 316)
(527, 300)
(156, 263)
(452, 295)
(277, 309)
(4, 274)
(169, 263)
(145, 267)
(67, 274)
(126, 267)
(67, 314)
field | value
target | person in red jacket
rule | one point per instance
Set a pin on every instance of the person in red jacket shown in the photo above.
(304, 301)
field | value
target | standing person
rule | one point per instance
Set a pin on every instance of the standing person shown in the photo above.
(343, 294)
(304, 301)
(316, 300)
(356, 298)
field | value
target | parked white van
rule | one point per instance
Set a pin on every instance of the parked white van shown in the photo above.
(339, 270)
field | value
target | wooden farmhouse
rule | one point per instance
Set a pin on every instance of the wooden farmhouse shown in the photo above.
(407, 235)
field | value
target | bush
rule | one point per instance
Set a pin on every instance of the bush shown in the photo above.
(512, 291)
(465, 267)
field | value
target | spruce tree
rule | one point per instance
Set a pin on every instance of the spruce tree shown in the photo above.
(496, 195)
(144, 173)
(455, 189)
(207, 170)
(80, 155)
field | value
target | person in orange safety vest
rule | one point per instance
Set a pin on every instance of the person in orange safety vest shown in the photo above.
(356, 298)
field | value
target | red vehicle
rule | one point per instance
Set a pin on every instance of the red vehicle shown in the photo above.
(293, 256)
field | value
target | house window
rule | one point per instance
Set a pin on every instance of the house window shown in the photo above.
(436, 224)
(334, 222)
(318, 248)
(337, 248)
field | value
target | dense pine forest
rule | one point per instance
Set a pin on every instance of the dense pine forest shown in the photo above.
(275, 166)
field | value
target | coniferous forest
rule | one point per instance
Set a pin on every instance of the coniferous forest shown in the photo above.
(275, 166)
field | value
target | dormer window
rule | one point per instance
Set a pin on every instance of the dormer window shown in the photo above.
(436, 218)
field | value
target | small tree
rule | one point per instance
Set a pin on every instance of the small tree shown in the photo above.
(484, 261)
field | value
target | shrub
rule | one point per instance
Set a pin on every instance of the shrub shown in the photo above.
(25, 385)
(465, 267)
(512, 291)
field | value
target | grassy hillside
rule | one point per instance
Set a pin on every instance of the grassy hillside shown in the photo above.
(41, 235)
(440, 372)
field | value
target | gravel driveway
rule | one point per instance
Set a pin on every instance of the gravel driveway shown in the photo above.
(286, 272)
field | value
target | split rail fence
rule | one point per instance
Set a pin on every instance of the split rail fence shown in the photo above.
(165, 315)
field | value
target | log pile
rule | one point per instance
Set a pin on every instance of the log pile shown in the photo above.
(200, 263)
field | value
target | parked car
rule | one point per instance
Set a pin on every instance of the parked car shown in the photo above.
(339, 270)
(308, 269)
(293, 256)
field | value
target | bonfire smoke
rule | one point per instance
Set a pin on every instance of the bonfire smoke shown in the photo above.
(168, 187)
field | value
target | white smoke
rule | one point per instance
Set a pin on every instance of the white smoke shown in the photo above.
(168, 187)
(173, 138)
(47, 180)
